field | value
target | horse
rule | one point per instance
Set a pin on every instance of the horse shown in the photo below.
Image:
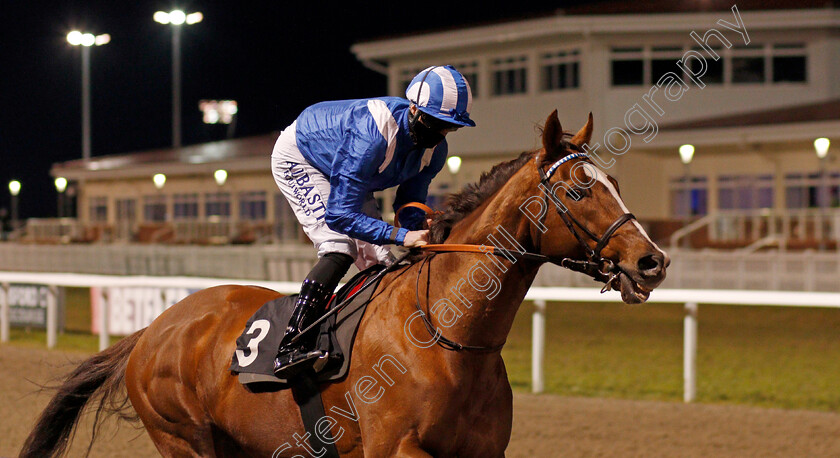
(405, 394)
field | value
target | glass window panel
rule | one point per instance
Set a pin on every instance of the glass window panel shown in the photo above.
(154, 208)
(789, 69)
(185, 206)
(659, 67)
(252, 206)
(628, 72)
(509, 75)
(748, 69)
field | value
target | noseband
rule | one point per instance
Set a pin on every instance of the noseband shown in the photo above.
(596, 266)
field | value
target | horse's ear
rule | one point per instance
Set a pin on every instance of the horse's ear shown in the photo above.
(584, 134)
(552, 136)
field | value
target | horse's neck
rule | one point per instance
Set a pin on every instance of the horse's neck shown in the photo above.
(485, 288)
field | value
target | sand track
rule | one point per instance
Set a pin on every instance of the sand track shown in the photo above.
(544, 426)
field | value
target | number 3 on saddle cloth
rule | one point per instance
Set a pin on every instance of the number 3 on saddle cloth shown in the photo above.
(257, 346)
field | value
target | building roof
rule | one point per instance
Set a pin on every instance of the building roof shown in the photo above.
(693, 6)
(240, 153)
(658, 16)
(623, 7)
(813, 112)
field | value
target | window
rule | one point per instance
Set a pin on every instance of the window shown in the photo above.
(560, 70)
(510, 75)
(154, 208)
(748, 64)
(217, 204)
(714, 68)
(98, 209)
(790, 63)
(252, 205)
(744, 192)
(805, 190)
(664, 60)
(126, 210)
(628, 67)
(185, 206)
(691, 199)
(778, 63)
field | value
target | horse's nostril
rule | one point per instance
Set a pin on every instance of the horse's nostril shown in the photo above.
(650, 263)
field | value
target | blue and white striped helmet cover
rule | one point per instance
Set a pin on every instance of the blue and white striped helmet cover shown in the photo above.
(444, 93)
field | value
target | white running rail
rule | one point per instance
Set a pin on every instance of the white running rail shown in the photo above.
(539, 295)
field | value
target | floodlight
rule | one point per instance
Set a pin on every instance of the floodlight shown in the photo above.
(60, 184)
(220, 176)
(686, 153)
(159, 179)
(14, 187)
(74, 38)
(454, 164)
(177, 17)
(821, 146)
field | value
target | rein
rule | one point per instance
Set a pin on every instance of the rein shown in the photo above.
(440, 340)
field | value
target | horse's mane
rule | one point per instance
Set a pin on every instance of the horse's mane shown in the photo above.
(471, 196)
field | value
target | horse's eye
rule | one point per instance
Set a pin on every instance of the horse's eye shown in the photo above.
(575, 194)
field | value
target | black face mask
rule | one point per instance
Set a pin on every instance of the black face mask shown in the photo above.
(425, 132)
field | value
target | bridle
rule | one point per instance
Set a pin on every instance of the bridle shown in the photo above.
(595, 265)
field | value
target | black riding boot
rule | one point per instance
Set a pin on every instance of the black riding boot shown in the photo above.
(315, 293)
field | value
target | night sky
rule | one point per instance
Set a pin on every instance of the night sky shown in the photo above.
(273, 57)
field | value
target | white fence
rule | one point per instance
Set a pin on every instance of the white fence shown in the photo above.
(767, 270)
(289, 262)
(540, 295)
(695, 269)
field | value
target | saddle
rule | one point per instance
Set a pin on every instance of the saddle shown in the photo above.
(257, 346)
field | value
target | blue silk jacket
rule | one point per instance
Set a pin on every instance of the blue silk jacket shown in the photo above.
(364, 146)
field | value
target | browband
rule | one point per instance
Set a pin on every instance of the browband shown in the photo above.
(562, 161)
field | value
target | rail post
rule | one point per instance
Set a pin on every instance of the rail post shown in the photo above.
(690, 352)
(4, 312)
(52, 315)
(538, 347)
(104, 308)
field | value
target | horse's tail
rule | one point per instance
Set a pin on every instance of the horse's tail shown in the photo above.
(101, 376)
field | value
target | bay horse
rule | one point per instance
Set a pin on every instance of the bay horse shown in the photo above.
(403, 396)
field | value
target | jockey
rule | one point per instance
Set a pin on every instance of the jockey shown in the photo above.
(329, 162)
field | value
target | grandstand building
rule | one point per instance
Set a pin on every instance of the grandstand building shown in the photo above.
(750, 88)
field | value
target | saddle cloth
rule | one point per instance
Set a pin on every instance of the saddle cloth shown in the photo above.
(257, 346)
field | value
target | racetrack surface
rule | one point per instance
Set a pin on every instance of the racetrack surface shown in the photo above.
(544, 426)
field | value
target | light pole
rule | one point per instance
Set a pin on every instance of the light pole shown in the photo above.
(177, 18)
(686, 154)
(821, 147)
(60, 186)
(14, 190)
(86, 40)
